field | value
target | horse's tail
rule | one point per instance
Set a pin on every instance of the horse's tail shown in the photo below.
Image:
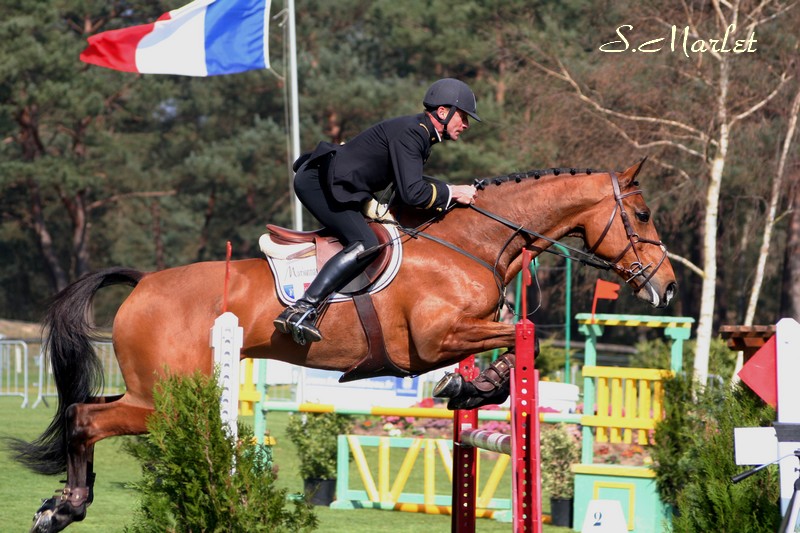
(77, 371)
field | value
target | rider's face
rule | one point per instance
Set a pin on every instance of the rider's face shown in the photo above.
(457, 124)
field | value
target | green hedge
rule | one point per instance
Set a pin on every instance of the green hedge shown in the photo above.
(189, 481)
(694, 460)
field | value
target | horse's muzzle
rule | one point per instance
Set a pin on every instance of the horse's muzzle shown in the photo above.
(650, 293)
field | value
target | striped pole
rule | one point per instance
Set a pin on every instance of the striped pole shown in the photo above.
(487, 440)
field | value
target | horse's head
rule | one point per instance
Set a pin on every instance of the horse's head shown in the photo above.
(621, 231)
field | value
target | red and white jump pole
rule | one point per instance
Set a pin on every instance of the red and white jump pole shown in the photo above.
(523, 443)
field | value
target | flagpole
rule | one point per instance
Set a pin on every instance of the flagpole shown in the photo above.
(295, 111)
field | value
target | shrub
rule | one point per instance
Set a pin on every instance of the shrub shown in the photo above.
(657, 354)
(315, 438)
(675, 436)
(560, 449)
(654, 353)
(551, 359)
(188, 483)
(694, 460)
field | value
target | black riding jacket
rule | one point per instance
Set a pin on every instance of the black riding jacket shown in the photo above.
(390, 152)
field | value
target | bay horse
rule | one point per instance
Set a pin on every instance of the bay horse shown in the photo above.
(441, 307)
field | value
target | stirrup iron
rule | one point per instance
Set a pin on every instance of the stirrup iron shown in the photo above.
(300, 331)
(303, 333)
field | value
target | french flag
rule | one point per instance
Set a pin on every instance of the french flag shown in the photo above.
(204, 38)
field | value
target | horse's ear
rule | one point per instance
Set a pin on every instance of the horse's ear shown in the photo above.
(630, 174)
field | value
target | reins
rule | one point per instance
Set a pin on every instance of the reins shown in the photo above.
(591, 259)
(419, 231)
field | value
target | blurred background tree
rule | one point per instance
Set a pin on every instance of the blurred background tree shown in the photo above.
(100, 168)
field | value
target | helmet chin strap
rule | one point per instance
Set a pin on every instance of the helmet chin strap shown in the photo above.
(445, 121)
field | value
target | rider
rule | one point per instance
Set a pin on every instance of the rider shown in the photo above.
(334, 181)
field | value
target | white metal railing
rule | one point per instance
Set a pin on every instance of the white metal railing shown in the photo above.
(14, 369)
(112, 376)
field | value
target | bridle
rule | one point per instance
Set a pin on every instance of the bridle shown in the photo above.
(637, 268)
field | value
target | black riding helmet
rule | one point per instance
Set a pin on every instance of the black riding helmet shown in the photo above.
(454, 94)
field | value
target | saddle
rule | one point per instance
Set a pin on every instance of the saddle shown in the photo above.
(291, 255)
(326, 246)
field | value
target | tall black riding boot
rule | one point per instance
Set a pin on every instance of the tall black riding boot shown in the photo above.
(300, 318)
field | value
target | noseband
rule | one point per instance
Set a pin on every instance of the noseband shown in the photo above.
(631, 274)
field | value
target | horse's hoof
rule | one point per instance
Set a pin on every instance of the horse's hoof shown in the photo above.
(55, 515)
(449, 386)
(43, 522)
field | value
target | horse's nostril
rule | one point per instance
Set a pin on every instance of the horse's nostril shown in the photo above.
(672, 288)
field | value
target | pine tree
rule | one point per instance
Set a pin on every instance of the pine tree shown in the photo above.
(189, 480)
(694, 456)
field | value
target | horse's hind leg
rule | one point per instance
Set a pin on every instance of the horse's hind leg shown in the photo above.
(90, 476)
(87, 423)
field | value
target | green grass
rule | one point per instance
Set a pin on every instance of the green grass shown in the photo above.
(22, 491)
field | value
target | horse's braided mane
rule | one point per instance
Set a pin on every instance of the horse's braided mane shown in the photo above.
(535, 174)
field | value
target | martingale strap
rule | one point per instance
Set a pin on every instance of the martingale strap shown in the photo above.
(417, 233)
(501, 288)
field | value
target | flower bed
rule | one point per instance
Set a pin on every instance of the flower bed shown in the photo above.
(621, 454)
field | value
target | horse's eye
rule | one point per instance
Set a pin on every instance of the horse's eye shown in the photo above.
(643, 216)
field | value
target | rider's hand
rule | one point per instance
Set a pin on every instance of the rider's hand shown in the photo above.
(463, 194)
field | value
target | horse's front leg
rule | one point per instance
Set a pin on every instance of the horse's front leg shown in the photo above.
(473, 335)
(492, 385)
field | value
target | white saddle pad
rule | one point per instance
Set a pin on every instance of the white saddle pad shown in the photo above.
(294, 267)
